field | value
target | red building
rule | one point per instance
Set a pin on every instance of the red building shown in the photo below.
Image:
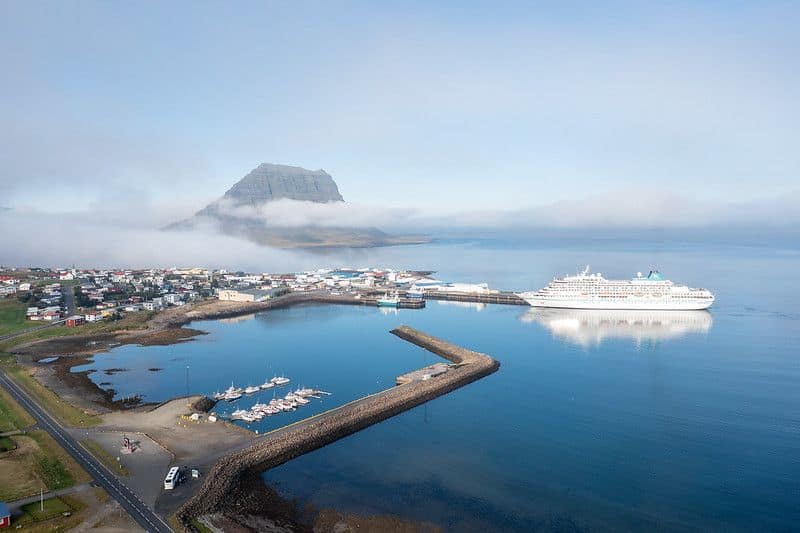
(5, 516)
(75, 321)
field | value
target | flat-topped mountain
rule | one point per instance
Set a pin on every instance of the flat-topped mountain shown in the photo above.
(238, 211)
(269, 182)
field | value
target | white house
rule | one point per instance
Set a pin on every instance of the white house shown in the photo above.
(171, 298)
(247, 295)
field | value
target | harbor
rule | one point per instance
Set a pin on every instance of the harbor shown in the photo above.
(221, 487)
(499, 297)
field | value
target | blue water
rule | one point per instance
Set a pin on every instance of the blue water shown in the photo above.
(684, 423)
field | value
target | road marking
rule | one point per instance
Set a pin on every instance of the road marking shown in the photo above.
(88, 462)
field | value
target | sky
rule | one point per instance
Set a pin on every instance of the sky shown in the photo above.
(476, 105)
(435, 114)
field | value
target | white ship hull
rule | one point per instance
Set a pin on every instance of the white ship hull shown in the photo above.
(593, 291)
(642, 304)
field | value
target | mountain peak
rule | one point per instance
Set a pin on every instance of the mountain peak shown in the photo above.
(269, 182)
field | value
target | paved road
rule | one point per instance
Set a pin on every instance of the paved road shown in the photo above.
(16, 504)
(145, 517)
(26, 331)
(68, 292)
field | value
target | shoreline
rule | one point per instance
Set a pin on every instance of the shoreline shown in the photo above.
(265, 505)
(164, 328)
(225, 487)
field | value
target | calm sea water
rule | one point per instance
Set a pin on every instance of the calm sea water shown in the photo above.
(595, 421)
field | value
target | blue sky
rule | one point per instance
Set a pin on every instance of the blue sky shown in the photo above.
(455, 106)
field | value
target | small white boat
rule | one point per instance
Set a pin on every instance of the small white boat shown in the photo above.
(238, 414)
(267, 384)
(280, 380)
(251, 389)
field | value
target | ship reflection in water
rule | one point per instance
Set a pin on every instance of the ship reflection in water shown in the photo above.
(590, 327)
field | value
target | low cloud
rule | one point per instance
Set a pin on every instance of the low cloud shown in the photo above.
(293, 213)
(114, 234)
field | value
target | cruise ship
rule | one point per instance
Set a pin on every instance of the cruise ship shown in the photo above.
(593, 291)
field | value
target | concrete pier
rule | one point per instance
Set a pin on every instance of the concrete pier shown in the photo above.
(220, 490)
(502, 297)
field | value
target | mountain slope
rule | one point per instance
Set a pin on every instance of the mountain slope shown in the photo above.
(237, 211)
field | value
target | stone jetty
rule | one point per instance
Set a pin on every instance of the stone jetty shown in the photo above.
(221, 488)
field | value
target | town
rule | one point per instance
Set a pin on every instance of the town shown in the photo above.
(74, 297)
(53, 318)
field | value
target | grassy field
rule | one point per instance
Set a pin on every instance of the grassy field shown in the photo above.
(104, 457)
(63, 411)
(12, 416)
(52, 519)
(6, 444)
(51, 508)
(37, 462)
(129, 322)
(57, 476)
(12, 317)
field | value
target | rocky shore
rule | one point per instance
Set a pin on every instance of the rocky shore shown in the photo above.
(166, 327)
(226, 488)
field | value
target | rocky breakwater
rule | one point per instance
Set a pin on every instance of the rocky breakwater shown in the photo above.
(224, 487)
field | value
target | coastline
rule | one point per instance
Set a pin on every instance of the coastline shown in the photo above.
(264, 507)
(164, 328)
(226, 488)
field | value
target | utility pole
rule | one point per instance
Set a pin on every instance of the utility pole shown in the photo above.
(41, 499)
(187, 381)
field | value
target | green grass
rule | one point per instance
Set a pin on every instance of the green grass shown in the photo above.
(6, 444)
(12, 416)
(104, 457)
(199, 526)
(65, 412)
(12, 317)
(53, 473)
(36, 512)
(54, 465)
(129, 322)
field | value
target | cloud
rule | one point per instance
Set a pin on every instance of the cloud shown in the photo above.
(113, 234)
(294, 213)
(31, 238)
(632, 208)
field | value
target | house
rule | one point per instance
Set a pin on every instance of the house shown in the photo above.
(247, 295)
(5, 515)
(171, 298)
(50, 316)
(75, 320)
(93, 317)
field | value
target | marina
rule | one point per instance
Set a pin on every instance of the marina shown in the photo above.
(223, 482)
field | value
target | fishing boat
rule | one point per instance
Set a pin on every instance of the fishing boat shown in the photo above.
(388, 301)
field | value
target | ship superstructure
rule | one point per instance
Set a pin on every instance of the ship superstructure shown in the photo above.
(593, 291)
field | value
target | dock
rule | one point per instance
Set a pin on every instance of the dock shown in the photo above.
(224, 486)
(500, 297)
(422, 374)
